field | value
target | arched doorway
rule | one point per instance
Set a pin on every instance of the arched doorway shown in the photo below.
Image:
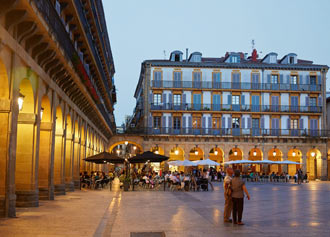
(59, 182)
(216, 154)
(275, 154)
(294, 155)
(255, 154)
(196, 153)
(311, 163)
(236, 154)
(76, 155)
(69, 185)
(45, 144)
(26, 192)
(176, 153)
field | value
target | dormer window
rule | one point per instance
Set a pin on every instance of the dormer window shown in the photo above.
(291, 60)
(272, 59)
(195, 57)
(234, 59)
(177, 58)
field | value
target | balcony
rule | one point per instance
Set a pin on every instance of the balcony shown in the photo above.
(234, 85)
(237, 108)
(230, 132)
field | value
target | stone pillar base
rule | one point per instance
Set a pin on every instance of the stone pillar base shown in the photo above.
(59, 189)
(46, 194)
(28, 198)
(76, 184)
(2, 206)
(69, 187)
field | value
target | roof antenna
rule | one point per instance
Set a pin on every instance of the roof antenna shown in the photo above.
(253, 44)
(164, 54)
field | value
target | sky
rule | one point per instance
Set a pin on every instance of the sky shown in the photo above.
(143, 29)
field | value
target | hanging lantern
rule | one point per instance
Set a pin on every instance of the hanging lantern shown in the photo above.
(216, 152)
(313, 154)
(274, 153)
(254, 153)
(176, 152)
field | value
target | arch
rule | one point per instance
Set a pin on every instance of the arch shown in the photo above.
(46, 110)
(196, 153)
(176, 153)
(275, 154)
(25, 147)
(26, 90)
(45, 150)
(313, 155)
(216, 154)
(255, 154)
(157, 150)
(69, 154)
(235, 154)
(59, 153)
(138, 146)
(294, 155)
(82, 149)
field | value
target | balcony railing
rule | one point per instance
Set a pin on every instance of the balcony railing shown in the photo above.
(234, 85)
(230, 132)
(237, 107)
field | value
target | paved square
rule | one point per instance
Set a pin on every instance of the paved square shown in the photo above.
(275, 210)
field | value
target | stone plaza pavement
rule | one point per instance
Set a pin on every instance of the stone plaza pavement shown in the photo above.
(274, 210)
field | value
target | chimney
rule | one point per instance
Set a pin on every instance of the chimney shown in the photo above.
(186, 54)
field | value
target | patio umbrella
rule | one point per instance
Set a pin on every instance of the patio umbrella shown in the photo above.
(184, 163)
(286, 162)
(207, 162)
(263, 162)
(147, 156)
(105, 157)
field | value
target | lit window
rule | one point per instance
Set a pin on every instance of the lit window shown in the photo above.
(235, 100)
(235, 122)
(293, 80)
(177, 99)
(274, 79)
(294, 123)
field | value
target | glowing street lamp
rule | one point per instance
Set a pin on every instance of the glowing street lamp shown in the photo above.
(126, 143)
(216, 152)
(313, 154)
(196, 152)
(134, 148)
(20, 101)
(274, 153)
(118, 151)
(235, 153)
(254, 153)
(294, 154)
(176, 152)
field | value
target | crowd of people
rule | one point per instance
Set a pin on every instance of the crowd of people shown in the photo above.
(96, 179)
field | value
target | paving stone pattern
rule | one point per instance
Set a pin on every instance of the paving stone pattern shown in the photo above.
(274, 210)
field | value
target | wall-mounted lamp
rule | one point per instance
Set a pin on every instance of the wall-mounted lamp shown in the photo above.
(41, 113)
(126, 143)
(20, 101)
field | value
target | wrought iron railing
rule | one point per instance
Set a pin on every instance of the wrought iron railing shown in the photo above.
(237, 107)
(229, 132)
(234, 85)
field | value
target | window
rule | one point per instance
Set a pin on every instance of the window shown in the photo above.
(291, 60)
(157, 122)
(293, 80)
(234, 59)
(177, 79)
(235, 100)
(177, 99)
(274, 79)
(294, 123)
(272, 59)
(157, 99)
(235, 122)
(177, 58)
(313, 80)
(157, 75)
(196, 122)
(176, 122)
(197, 79)
(312, 101)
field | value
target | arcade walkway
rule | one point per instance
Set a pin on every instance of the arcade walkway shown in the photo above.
(275, 210)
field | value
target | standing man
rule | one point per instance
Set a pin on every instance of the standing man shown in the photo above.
(227, 194)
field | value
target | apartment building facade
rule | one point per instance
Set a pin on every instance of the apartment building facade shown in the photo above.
(261, 106)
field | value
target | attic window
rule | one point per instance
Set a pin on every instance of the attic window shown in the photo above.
(177, 58)
(272, 59)
(234, 59)
(291, 60)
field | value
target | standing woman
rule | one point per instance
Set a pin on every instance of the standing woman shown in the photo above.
(238, 190)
